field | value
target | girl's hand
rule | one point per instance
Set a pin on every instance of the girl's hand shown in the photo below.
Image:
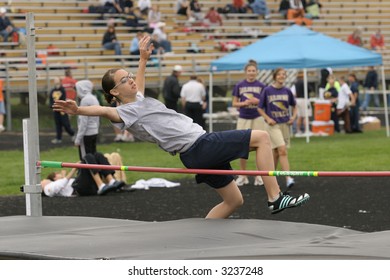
(65, 106)
(145, 47)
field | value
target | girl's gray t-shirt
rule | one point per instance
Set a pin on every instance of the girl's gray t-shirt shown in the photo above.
(149, 120)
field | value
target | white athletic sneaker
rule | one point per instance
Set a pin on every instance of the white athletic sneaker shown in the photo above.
(258, 181)
(2, 128)
(242, 180)
(290, 182)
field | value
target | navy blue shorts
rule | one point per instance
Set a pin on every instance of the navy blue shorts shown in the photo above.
(215, 151)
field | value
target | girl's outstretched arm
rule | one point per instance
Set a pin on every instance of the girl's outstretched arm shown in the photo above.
(70, 107)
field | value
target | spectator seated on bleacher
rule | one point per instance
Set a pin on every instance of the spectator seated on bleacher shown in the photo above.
(313, 9)
(110, 41)
(283, 8)
(144, 6)
(237, 6)
(296, 12)
(123, 4)
(355, 38)
(183, 8)
(154, 16)
(7, 29)
(213, 17)
(377, 41)
(162, 38)
(196, 10)
(259, 7)
(229, 46)
(133, 18)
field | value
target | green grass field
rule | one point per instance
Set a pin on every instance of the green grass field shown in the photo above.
(369, 151)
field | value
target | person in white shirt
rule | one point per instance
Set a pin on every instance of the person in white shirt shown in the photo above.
(193, 95)
(144, 6)
(87, 181)
(345, 100)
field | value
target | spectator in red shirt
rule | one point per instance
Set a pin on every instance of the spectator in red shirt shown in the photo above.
(377, 41)
(355, 38)
(213, 17)
(69, 84)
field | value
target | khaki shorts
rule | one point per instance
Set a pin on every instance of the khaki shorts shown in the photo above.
(279, 134)
(301, 107)
(254, 124)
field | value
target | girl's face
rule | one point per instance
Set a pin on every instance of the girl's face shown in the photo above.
(251, 73)
(124, 84)
(280, 77)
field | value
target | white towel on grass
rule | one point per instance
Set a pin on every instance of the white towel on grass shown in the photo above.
(153, 183)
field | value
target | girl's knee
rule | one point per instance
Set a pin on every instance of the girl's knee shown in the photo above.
(260, 137)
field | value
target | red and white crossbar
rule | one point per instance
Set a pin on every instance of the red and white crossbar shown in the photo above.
(57, 164)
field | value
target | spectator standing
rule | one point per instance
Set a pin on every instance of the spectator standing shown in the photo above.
(274, 107)
(354, 86)
(377, 41)
(193, 95)
(356, 37)
(110, 41)
(246, 97)
(172, 89)
(87, 126)
(6, 26)
(69, 85)
(344, 101)
(61, 120)
(299, 92)
(324, 74)
(331, 93)
(370, 85)
(213, 17)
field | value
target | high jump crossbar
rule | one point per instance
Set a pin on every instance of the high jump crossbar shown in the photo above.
(57, 164)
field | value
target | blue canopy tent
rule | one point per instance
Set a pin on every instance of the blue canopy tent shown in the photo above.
(298, 47)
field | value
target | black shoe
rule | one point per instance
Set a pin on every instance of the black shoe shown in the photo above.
(118, 184)
(357, 131)
(287, 201)
(106, 188)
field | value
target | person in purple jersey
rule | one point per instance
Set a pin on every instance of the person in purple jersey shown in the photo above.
(246, 97)
(274, 107)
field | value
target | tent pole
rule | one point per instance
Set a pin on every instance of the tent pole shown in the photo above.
(306, 100)
(385, 100)
(211, 101)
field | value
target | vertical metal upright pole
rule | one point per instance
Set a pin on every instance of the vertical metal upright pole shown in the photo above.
(385, 101)
(211, 101)
(31, 131)
(8, 97)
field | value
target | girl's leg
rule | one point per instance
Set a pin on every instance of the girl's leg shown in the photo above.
(261, 143)
(283, 159)
(232, 199)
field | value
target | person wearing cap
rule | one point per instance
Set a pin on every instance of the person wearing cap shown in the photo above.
(151, 121)
(162, 37)
(172, 88)
(6, 26)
